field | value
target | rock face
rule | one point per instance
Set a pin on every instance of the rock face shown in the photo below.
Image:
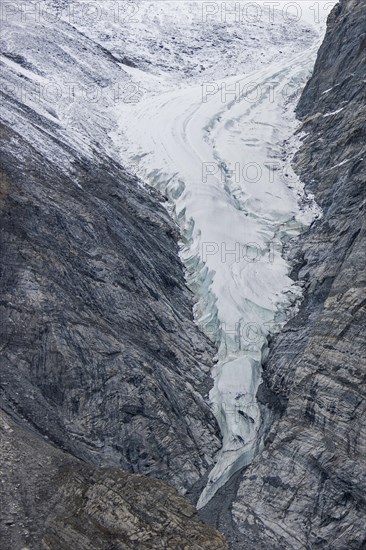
(51, 500)
(99, 352)
(99, 349)
(307, 488)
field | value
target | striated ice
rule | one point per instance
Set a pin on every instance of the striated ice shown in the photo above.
(218, 155)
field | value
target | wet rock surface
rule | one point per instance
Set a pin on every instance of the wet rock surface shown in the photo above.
(307, 488)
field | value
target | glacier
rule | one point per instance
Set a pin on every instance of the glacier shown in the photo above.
(220, 151)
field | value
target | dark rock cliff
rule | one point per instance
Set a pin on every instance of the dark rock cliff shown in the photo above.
(307, 488)
(99, 350)
(101, 363)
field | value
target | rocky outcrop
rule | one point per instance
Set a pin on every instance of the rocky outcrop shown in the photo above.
(51, 500)
(307, 488)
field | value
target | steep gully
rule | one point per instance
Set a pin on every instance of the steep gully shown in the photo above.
(216, 151)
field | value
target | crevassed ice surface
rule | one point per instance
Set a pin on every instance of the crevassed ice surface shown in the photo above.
(216, 150)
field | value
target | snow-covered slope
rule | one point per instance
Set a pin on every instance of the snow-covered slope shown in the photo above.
(187, 40)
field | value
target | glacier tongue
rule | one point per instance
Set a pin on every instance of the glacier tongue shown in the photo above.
(216, 151)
